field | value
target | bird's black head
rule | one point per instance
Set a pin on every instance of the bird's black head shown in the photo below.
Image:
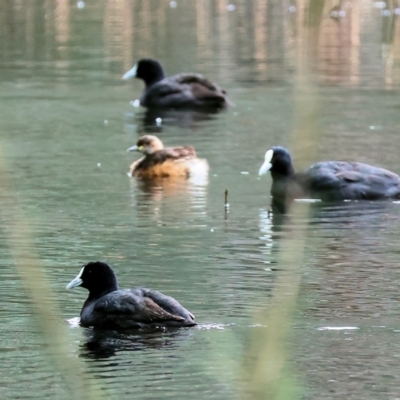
(97, 277)
(147, 69)
(278, 161)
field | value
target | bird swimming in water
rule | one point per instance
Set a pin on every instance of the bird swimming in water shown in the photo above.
(327, 180)
(185, 90)
(165, 162)
(109, 307)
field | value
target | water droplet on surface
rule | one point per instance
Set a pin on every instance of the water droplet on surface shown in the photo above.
(173, 4)
(106, 122)
(99, 164)
(372, 127)
(80, 4)
(386, 13)
(244, 173)
(292, 9)
(231, 7)
(158, 121)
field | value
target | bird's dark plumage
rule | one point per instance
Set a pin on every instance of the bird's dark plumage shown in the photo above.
(108, 307)
(185, 90)
(328, 180)
(165, 162)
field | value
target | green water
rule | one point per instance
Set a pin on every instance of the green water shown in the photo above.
(65, 123)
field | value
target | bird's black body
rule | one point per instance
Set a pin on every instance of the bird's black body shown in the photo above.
(108, 307)
(185, 90)
(330, 181)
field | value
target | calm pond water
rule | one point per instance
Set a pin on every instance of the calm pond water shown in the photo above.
(66, 119)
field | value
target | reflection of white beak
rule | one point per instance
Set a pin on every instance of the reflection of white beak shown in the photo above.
(131, 73)
(265, 168)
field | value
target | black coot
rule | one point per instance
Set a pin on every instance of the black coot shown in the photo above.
(327, 180)
(108, 307)
(179, 91)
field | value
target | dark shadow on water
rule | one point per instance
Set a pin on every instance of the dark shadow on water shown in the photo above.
(332, 209)
(99, 344)
(154, 120)
(347, 213)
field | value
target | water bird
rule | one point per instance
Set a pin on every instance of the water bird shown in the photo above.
(327, 180)
(165, 162)
(186, 90)
(109, 307)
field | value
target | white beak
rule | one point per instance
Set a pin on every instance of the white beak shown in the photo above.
(131, 73)
(264, 168)
(76, 281)
(133, 148)
(267, 162)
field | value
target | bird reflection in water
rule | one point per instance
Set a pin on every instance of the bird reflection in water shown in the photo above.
(273, 226)
(98, 344)
(162, 198)
(154, 120)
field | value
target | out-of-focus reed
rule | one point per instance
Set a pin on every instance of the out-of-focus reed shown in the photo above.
(265, 371)
(46, 315)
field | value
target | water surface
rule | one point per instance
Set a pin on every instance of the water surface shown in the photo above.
(66, 119)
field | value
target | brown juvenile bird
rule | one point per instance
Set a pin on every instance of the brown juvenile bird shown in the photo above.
(165, 162)
(186, 90)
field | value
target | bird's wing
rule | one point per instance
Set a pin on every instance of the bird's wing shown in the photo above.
(133, 304)
(182, 152)
(354, 180)
(199, 80)
(168, 303)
